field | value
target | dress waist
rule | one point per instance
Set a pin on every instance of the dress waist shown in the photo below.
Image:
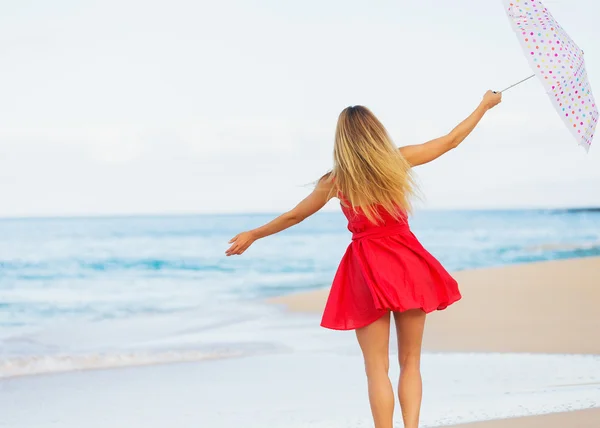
(382, 231)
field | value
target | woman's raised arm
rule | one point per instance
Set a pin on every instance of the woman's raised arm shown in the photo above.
(419, 154)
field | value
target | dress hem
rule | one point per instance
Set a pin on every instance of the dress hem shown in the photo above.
(384, 311)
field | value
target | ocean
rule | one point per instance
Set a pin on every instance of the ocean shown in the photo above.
(80, 293)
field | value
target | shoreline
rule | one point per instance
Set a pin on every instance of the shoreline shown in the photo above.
(540, 307)
(322, 388)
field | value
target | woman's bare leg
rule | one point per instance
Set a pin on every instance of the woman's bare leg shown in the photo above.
(374, 341)
(409, 327)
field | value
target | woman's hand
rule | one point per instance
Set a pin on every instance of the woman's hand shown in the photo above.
(491, 99)
(240, 243)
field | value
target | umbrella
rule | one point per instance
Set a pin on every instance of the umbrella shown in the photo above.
(558, 63)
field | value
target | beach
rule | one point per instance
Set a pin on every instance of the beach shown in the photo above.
(536, 308)
(521, 348)
(581, 419)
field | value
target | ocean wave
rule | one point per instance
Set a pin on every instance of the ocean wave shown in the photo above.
(60, 269)
(76, 268)
(152, 265)
(37, 365)
(561, 247)
(594, 210)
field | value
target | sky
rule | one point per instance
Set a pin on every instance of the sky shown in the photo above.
(154, 107)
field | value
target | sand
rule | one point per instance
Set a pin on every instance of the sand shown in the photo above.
(547, 307)
(581, 419)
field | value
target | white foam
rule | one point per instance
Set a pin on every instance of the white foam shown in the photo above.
(28, 366)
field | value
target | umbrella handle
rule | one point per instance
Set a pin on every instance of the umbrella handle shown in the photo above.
(518, 83)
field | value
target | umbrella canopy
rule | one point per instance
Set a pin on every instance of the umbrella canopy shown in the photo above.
(558, 63)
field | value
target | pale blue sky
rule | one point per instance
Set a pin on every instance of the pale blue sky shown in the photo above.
(130, 106)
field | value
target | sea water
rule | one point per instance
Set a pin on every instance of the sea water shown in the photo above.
(80, 293)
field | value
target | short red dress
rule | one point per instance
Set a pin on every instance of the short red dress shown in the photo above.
(385, 268)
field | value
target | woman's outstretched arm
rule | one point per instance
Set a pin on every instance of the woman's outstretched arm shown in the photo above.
(419, 154)
(307, 207)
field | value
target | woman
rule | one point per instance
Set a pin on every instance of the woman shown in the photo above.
(385, 270)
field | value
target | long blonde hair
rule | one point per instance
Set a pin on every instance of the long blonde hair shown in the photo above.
(368, 169)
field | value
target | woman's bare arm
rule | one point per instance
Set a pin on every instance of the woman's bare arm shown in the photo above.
(307, 207)
(420, 154)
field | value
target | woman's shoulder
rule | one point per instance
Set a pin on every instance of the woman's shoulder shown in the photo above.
(327, 180)
(327, 183)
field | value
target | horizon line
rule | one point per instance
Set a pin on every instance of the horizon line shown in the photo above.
(590, 208)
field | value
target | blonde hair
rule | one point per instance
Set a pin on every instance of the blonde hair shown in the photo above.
(368, 169)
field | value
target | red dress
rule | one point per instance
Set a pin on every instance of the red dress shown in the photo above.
(385, 268)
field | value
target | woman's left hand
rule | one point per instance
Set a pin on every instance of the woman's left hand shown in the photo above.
(240, 243)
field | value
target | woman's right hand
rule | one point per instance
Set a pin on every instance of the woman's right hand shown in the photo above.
(491, 99)
(240, 243)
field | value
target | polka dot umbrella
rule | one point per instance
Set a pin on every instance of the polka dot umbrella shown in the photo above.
(559, 63)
